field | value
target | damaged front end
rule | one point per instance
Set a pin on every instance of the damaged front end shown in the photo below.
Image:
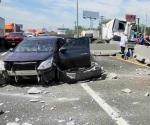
(41, 71)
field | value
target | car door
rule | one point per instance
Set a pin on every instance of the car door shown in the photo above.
(74, 54)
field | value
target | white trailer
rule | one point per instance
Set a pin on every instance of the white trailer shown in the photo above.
(114, 28)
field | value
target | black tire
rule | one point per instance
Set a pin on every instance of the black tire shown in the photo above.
(6, 46)
(7, 79)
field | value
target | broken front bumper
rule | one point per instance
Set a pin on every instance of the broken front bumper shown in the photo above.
(41, 76)
(23, 73)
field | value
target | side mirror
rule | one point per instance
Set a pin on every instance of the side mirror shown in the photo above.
(11, 50)
(62, 50)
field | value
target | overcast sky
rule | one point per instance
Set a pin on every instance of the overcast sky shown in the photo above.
(58, 13)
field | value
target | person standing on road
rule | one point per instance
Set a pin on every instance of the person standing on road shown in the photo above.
(123, 42)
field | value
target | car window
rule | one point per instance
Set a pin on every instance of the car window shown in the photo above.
(81, 42)
(61, 42)
(35, 46)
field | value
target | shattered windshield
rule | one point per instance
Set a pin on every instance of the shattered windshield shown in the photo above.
(35, 46)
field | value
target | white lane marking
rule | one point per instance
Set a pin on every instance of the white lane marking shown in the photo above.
(19, 95)
(106, 107)
(3, 54)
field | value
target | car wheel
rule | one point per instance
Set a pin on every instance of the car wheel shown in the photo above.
(6, 46)
(57, 75)
(7, 79)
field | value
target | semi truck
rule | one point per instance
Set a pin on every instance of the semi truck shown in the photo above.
(2, 30)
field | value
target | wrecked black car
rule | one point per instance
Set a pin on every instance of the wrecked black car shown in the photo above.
(43, 58)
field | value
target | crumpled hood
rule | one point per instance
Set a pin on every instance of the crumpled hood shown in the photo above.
(27, 57)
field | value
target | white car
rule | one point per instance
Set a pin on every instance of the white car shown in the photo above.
(29, 34)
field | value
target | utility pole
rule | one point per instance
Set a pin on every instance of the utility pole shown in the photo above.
(100, 25)
(138, 23)
(77, 19)
(145, 23)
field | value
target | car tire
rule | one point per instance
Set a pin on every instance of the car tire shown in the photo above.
(6, 46)
(6, 78)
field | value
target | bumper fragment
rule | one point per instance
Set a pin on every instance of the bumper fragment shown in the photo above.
(23, 73)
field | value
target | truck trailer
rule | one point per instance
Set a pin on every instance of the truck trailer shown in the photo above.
(114, 28)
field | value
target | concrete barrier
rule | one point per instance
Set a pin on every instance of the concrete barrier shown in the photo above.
(142, 53)
(105, 49)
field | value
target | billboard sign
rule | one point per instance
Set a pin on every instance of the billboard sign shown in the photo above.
(131, 18)
(90, 14)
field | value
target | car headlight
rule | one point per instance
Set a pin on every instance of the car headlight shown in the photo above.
(46, 64)
(2, 67)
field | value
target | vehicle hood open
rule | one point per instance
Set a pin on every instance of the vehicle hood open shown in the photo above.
(27, 57)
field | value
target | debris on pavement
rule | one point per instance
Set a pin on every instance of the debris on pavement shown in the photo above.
(7, 112)
(135, 103)
(147, 94)
(34, 100)
(5, 117)
(46, 92)
(70, 119)
(142, 71)
(34, 90)
(140, 59)
(43, 106)
(12, 123)
(71, 123)
(60, 121)
(17, 119)
(112, 76)
(42, 101)
(2, 112)
(81, 74)
(120, 67)
(126, 90)
(26, 124)
(53, 108)
(1, 104)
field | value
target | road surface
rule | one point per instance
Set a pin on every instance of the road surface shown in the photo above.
(99, 102)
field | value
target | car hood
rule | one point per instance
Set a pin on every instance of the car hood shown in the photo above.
(27, 57)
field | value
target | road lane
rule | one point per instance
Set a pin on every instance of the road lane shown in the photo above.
(65, 103)
(62, 104)
(106, 107)
(134, 107)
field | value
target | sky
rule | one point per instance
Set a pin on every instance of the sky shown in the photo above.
(52, 14)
